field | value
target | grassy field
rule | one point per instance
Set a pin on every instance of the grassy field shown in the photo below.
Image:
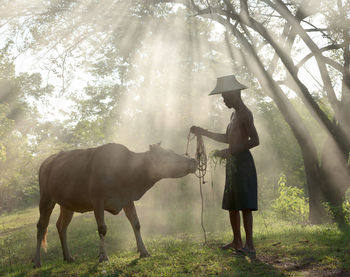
(174, 239)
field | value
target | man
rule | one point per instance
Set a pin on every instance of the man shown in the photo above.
(241, 182)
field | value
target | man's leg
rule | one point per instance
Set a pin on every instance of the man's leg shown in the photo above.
(236, 229)
(248, 227)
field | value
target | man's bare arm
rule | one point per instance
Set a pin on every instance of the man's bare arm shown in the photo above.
(252, 133)
(215, 136)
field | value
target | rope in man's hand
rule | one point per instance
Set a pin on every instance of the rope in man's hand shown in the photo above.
(201, 157)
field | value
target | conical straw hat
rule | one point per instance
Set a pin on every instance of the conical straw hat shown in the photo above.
(226, 84)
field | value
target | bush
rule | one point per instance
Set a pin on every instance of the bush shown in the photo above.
(291, 204)
(339, 214)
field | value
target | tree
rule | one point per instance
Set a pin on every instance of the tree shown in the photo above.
(18, 122)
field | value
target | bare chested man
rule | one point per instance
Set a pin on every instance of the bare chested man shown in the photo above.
(241, 182)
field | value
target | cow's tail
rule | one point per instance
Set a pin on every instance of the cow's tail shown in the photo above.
(44, 242)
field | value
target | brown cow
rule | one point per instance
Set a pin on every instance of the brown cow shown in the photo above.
(109, 177)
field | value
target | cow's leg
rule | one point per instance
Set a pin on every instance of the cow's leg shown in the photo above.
(62, 225)
(131, 214)
(102, 230)
(45, 208)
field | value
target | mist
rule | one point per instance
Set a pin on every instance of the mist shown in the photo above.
(77, 74)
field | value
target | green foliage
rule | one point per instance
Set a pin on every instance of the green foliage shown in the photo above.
(339, 214)
(88, 134)
(346, 208)
(278, 138)
(279, 148)
(291, 204)
(18, 121)
(215, 160)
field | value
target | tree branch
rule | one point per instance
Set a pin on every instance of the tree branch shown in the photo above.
(314, 48)
(332, 63)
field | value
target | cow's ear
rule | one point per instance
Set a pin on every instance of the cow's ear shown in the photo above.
(153, 146)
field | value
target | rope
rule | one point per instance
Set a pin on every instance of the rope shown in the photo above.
(201, 157)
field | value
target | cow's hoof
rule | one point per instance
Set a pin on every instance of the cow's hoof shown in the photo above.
(69, 259)
(103, 258)
(144, 254)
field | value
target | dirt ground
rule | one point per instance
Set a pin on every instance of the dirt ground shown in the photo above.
(306, 267)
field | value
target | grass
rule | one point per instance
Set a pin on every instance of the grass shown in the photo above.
(173, 237)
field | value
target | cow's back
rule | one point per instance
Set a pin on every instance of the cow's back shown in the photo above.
(74, 179)
(119, 176)
(113, 169)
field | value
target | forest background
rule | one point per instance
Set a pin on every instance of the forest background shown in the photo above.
(80, 74)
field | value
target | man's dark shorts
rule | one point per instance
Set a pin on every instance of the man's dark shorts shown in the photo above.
(241, 183)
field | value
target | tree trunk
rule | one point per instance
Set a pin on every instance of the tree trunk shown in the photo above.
(336, 178)
(317, 213)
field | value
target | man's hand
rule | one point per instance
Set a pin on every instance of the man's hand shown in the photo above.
(196, 130)
(221, 153)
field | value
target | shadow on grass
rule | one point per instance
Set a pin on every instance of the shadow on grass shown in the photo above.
(250, 265)
(244, 264)
(314, 250)
(194, 259)
(134, 262)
